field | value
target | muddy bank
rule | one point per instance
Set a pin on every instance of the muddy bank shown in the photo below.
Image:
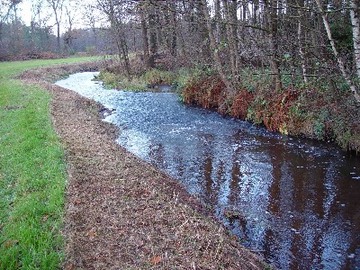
(121, 213)
(51, 74)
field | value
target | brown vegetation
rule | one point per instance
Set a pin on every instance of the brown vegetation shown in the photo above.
(325, 115)
(206, 92)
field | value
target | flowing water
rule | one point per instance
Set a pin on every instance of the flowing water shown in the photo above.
(295, 202)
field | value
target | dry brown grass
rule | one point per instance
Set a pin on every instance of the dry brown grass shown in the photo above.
(122, 213)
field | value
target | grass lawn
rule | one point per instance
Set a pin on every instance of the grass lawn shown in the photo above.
(32, 172)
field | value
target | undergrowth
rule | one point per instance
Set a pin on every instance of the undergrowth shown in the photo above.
(316, 110)
(137, 83)
(322, 109)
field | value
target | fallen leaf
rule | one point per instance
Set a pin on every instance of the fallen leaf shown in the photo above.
(155, 260)
(91, 233)
(10, 243)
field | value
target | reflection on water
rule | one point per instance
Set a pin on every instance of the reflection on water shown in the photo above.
(296, 201)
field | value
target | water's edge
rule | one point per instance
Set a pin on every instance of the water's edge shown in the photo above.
(294, 201)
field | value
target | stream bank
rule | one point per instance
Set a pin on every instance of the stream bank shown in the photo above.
(325, 113)
(321, 114)
(295, 201)
(122, 213)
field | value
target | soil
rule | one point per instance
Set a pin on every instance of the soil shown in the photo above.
(122, 213)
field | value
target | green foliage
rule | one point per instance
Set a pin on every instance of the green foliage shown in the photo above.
(319, 129)
(342, 34)
(255, 80)
(319, 123)
(342, 132)
(110, 80)
(256, 109)
(118, 81)
(156, 76)
(296, 110)
(185, 76)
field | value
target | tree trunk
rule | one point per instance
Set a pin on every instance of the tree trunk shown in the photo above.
(300, 37)
(271, 11)
(144, 31)
(152, 35)
(57, 7)
(218, 20)
(302, 53)
(58, 44)
(355, 23)
(255, 11)
(231, 27)
(335, 52)
(1, 30)
(170, 28)
(216, 55)
(173, 47)
(117, 26)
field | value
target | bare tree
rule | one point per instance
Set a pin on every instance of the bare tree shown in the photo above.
(71, 10)
(144, 29)
(116, 11)
(171, 22)
(6, 7)
(91, 19)
(57, 8)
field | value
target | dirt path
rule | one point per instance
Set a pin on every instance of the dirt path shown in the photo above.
(122, 213)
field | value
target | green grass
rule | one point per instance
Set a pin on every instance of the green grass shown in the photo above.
(32, 173)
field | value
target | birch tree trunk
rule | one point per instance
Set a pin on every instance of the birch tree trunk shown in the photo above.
(336, 53)
(272, 20)
(231, 32)
(300, 36)
(355, 23)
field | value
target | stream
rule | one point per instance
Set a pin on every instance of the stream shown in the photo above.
(295, 202)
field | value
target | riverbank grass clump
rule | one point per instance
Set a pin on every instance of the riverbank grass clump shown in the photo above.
(121, 82)
(32, 173)
(144, 81)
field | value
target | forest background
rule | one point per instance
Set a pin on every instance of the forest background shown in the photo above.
(290, 65)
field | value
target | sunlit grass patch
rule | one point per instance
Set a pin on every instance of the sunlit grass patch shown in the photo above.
(32, 173)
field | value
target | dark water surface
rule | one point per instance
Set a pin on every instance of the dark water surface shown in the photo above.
(296, 202)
